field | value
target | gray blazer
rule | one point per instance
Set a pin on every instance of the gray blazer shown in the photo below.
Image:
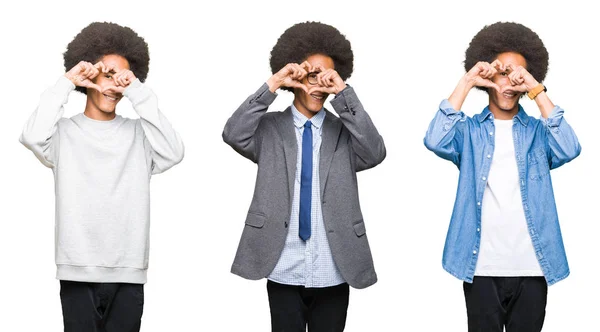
(350, 144)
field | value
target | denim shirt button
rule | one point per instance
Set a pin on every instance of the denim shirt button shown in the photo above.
(491, 133)
(489, 156)
(474, 252)
(478, 229)
(483, 178)
(478, 203)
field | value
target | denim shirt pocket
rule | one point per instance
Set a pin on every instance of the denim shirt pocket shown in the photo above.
(537, 164)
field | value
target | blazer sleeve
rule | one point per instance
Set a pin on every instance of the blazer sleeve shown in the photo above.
(367, 144)
(240, 131)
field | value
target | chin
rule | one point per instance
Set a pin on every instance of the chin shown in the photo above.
(108, 110)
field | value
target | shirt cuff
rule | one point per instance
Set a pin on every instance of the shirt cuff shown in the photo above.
(447, 108)
(555, 117)
(136, 91)
(345, 101)
(63, 86)
(264, 95)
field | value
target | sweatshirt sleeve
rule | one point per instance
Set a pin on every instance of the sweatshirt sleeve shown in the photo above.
(166, 147)
(40, 132)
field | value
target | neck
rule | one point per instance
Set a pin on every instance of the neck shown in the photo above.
(501, 114)
(308, 114)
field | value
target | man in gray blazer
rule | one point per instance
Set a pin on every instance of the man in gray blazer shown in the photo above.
(304, 230)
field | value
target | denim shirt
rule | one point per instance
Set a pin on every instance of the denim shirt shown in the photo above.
(540, 145)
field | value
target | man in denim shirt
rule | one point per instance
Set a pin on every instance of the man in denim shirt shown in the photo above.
(504, 239)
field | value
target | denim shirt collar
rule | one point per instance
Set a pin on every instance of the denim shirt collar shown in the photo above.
(521, 115)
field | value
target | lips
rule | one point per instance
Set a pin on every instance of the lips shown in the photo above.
(317, 96)
(509, 94)
(112, 98)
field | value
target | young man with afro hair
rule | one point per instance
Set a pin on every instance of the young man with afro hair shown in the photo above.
(304, 230)
(102, 165)
(504, 239)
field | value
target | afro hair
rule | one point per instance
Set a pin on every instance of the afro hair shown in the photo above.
(305, 39)
(102, 38)
(502, 37)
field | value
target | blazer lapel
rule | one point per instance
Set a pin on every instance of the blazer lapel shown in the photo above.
(286, 128)
(330, 135)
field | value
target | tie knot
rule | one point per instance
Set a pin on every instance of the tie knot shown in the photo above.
(307, 124)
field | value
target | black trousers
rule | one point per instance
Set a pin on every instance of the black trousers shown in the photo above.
(519, 303)
(295, 307)
(101, 307)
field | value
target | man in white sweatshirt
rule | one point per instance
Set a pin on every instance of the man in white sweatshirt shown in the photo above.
(102, 165)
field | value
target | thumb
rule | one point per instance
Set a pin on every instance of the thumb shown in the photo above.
(295, 84)
(317, 89)
(495, 87)
(95, 87)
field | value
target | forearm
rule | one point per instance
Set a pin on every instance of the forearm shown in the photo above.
(42, 124)
(240, 129)
(368, 145)
(166, 144)
(544, 104)
(458, 96)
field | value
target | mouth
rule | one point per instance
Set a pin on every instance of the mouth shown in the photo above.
(111, 98)
(317, 96)
(509, 94)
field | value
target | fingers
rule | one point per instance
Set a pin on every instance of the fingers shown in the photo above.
(517, 74)
(123, 77)
(82, 73)
(296, 84)
(292, 74)
(101, 66)
(328, 76)
(307, 66)
(498, 65)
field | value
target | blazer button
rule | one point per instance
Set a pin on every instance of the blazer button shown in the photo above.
(285, 224)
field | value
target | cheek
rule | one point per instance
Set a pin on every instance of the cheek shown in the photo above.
(501, 80)
(103, 81)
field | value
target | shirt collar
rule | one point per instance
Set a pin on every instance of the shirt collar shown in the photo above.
(521, 115)
(300, 119)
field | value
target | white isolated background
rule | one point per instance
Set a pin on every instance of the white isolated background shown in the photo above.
(206, 58)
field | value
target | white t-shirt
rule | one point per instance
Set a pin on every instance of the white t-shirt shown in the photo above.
(506, 249)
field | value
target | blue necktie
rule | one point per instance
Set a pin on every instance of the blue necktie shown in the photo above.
(306, 181)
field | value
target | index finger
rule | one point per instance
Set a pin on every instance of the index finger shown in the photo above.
(306, 66)
(101, 66)
(498, 64)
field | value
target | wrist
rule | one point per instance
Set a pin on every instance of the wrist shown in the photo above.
(71, 78)
(531, 85)
(340, 88)
(274, 83)
(467, 83)
(535, 91)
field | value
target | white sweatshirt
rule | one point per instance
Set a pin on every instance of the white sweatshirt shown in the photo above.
(102, 173)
